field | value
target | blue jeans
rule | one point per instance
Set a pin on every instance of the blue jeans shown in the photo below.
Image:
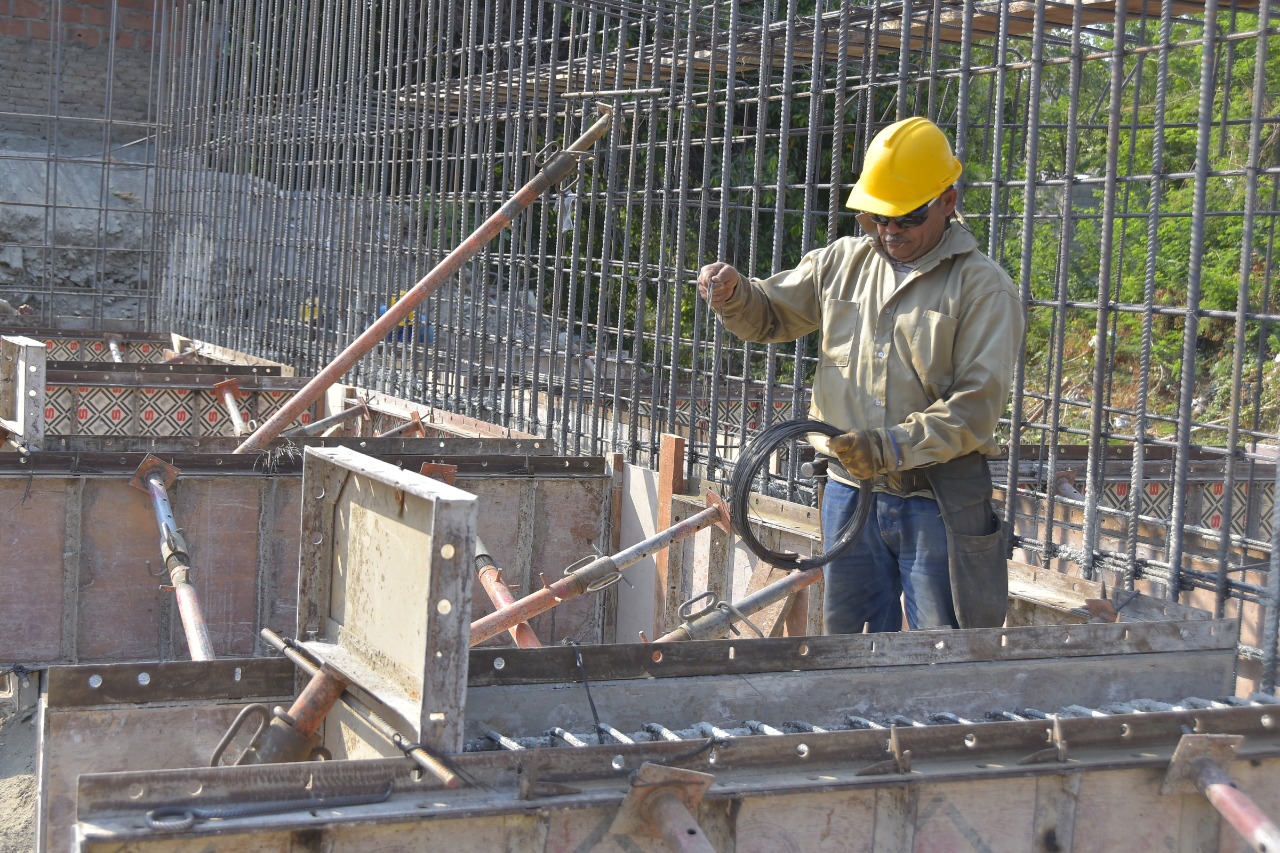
(901, 553)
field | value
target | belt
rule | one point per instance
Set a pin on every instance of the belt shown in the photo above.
(902, 483)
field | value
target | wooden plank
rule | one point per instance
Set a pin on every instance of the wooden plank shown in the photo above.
(668, 592)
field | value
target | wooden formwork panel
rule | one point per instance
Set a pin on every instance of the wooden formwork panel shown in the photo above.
(93, 346)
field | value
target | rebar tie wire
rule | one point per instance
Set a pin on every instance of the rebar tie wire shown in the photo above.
(753, 460)
(595, 716)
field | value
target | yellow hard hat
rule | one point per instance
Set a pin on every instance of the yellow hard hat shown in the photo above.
(908, 164)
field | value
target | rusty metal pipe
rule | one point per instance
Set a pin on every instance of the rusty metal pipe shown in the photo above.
(500, 594)
(589, 577)
(229, 390)
(560, 166)
(178, 562)
(1236, 807)
(316, 700)
(679, 828)
(420, 756)
(414, 424)
(317, 427)
(716, 622)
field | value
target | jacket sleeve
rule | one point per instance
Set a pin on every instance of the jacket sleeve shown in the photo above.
(782, 307)
(988, 341)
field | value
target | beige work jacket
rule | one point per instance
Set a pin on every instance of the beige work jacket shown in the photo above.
(931, 360)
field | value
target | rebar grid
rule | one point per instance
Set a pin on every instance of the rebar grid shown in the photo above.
(312, 160)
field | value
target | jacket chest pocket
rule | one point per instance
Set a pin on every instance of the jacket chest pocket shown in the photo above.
(839, 328)
(930, 337)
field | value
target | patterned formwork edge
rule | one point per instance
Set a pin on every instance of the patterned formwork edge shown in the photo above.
(1251, 506)
(71, 349)
(81, 410)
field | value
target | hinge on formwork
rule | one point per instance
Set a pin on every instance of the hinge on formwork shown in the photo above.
(662, 803)
(1056, 752)
(899, 763)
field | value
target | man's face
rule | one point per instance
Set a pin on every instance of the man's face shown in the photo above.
(907, 244)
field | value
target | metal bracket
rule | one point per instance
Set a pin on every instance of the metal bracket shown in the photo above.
(899, 763)
(231, 386)
(1190, 757)
(439, 471)
(153, 465)
(1057, 752)
(725, 522)
(651, 785)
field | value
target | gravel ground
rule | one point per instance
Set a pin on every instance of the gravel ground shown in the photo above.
(17, 766)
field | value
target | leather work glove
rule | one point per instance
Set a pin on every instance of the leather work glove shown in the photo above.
(864, 453)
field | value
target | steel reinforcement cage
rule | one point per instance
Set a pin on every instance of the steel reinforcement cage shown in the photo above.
(1122, 162)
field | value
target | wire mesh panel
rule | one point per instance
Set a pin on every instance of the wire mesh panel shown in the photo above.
(1120, 163)
(77, 158)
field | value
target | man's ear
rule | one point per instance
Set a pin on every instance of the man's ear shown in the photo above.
(950, 196)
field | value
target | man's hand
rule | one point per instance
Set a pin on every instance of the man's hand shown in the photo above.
(716, 282)
(864, 453)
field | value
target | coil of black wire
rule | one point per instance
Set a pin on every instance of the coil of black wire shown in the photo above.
(751, 464)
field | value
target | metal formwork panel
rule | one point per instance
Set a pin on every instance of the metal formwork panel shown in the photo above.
(22, 390)
(384, 585)
(1079, 781)
(717, 706)
(78, 542)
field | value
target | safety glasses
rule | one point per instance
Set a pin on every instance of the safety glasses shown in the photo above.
(909, 220)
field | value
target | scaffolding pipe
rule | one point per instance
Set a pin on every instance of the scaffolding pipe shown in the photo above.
(597, 574)
(413, 425)
(1236, 807)
(491, 579)
(229, 390)
(177, 561)
(317, 427)
(559, 167)
(420, 756)
(716, 621)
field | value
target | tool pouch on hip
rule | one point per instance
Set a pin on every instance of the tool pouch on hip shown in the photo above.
(976, 540)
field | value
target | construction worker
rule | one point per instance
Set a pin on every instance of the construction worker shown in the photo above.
(920, 332)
